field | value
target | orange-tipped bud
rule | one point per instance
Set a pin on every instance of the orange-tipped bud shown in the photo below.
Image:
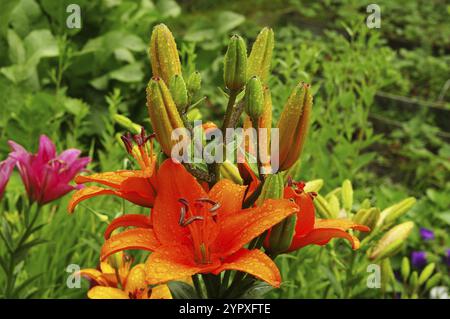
(163, 54)
(293, 125)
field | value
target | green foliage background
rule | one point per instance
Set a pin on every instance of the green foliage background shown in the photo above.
(381, 113)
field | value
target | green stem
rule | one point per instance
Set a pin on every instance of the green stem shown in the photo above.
(198, 286)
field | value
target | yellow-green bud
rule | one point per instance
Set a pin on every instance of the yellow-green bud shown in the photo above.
(178, 91)
(434, 281)
(229, 171)
(426, 273)
(194, 83)
(273, 188)
(163, 114)
(413, 280)
(293, 125)
(392, 241)
(322, 206)
(387, 274)
(335, 206)
(368, 217)
(365, 203)
(126, 123)
(254, 99)
(406, 268)
(164, 54)
(347, 195)
(261, 55)
(313, 186)
(393, 212)
(235, 64)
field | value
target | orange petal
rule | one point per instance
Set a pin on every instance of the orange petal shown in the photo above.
(343, 224)
(86, 193)
(306, 214)
(161, 292)
(136, 279)
(99, 292)
(322, 236)
(174, 182)
(229, 195)
(254, 262)
(137, 238)
(173, 262)
(136, 220)
(249, 178)
(139, 190)
(238, 229)
(94, 275)
(111, 179)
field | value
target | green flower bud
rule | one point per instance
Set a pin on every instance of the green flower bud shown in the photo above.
(194, 83)
(293, 125)
(313, 186)
(413, 280)
(261, 55)
(365, 203)
(347, 195)
(335, 206)
(254, 99)
(392, 241)
(273, 188)
(322, 207)
(230, 171)
(126, 123)
(163, 114)
(387, 274)
(434, 281)
(406, 268)
(368, 217)
(178, 91)
(164, 54)
(235, 64)
(426, 273)
(393, 212)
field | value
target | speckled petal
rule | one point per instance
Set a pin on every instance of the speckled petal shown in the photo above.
(321, 237)
(238, 229)
(254, 262)
(136, 279)
(86, 193)
(135, 220)
(99, 292)
(229, 195)
(173, 263)
(111, 179)
(137, 238)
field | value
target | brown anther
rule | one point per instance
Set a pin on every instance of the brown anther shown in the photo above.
(127, 141)
(190, 220)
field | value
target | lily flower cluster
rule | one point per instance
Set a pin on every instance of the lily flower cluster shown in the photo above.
(224, 226)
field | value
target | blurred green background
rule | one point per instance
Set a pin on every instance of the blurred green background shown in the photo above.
(381, 105)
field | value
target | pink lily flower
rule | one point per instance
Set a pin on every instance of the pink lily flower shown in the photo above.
(6, 168)
(46, 175)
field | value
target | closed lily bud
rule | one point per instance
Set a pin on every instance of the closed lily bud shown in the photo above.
(293, 125)
(347, 195)
(393, 212)
(164, 54)
(335, 206)
(368, 217)
(179, 93)
(434, 281)
(323, 208)
(387, 274)
(405, 268)
(126, 123)
(194, 83)
(235, 64)
(313, 186)
(163, 113)
(281, 235)
(426, 273)
(230, 171)
(392, 241)
(414, 280)
(254, 99)
(365, 203)
(261, 55)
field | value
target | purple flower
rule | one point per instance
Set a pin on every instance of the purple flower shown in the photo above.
(426, 234)
(447, 257)
(418, 259)
(46, 175)
(6, 168)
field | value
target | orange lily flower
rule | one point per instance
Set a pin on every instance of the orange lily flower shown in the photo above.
(199, 232)
(136, 186)
(312, 231)
(122, 283)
